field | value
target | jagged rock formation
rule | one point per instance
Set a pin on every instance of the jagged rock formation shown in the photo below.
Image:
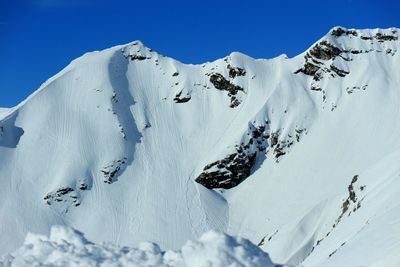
(111, 170)
(236, 167)
(221, 83)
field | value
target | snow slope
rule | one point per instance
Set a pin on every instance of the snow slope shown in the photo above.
(298, 155)
(3, 111)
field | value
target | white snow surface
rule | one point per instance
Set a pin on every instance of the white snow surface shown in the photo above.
(330, 200)
(3, 112)
(68, 247)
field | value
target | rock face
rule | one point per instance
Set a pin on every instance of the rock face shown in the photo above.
(325, 59)
(221, 83)
(235, 71)
(111, 170)
(66, 197)
(338, 31)
(237, 166)
(182, 99)
(58, 195)
(317, 63)
(325, 51)
(228, 172)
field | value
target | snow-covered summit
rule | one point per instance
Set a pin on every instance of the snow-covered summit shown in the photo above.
(299, 155)
(137, 51)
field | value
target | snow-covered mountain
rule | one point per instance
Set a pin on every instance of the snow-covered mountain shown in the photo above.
(299, 155)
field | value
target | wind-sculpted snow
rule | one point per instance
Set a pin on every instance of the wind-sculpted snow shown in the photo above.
(299, 155)
(68, 247)
(10, 134)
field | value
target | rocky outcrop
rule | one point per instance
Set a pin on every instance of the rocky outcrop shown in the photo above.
(63, 194)
(353, 202)
(319, 63)
(137, 52)
(338, 31)
(227, 172)
(385, 37)
(111, 170)
(324, 51)
(181, 99)
(315, 58)
(237, 166)
(235, 71)
(221, 83)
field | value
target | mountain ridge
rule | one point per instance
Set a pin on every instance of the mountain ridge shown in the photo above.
(127, 145)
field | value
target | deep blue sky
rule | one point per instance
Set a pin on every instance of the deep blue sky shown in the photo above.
(40, 37)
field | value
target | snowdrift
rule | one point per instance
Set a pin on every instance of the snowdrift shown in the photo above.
(68, 247)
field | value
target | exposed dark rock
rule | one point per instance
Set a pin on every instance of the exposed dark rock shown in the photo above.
(63, 194)
(325, 51)
(390, 51)
(278, 151)
(236, 71)
(274, 139)
(83, 186)
(350, 188)
(114, 97)
(111, 170)
(237, 166)
(331, 254)
(356, 51)
(223, 84)
(262, 241)
(230, 171)
(234, 102)
(351, 199)
(366, 37)
(315, 87)
(179, 99)
(317, 76)
(350, 90)
(340, 31)
(137, 57)
(341, 73)
(308, 69)
(175, 74)
(385, 37)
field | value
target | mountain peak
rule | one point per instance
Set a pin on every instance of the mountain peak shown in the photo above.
(344, 42)
(136, 50)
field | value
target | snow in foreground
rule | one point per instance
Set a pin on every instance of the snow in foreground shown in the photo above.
(68, 247)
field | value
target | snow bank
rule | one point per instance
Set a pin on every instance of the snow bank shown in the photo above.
(68, 247)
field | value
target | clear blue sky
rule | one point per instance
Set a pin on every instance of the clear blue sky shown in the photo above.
(40, 37)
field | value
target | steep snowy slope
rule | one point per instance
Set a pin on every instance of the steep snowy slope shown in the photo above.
(3, 111)
(299, 155)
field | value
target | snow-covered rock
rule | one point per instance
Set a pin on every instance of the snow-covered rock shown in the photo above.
(127, 145)
(68, 247)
